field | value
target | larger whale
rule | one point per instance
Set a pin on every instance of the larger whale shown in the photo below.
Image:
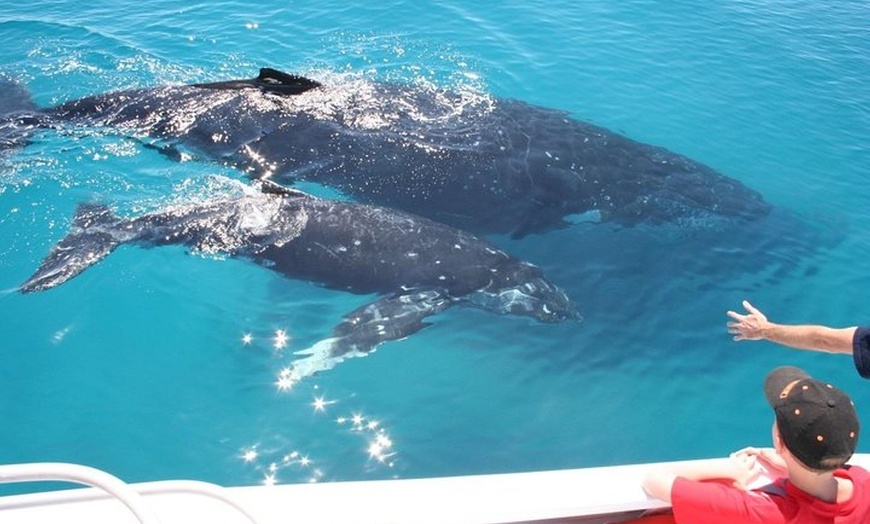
(485, 164)
(417, 267)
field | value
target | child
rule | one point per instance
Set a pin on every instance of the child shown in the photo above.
(815, 432)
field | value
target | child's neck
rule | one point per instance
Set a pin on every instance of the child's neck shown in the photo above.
(823, 486)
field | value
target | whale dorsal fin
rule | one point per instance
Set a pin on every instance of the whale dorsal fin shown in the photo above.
(278, 81)
(271, 188)
(269, 81)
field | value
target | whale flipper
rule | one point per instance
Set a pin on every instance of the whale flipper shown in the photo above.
(389, 318)
(269, 81)
(88, 243)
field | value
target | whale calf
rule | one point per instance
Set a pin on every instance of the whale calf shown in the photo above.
(416, 266)
(484, 164)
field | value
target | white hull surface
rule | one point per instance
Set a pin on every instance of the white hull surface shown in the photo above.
(587, 495)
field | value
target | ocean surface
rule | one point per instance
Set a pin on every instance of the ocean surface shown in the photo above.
(158, 363)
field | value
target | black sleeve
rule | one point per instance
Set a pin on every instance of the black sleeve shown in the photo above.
(861, 351)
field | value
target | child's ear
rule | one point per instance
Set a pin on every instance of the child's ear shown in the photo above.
(777, 440)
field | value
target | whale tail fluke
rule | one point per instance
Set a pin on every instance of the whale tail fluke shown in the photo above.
(15, 98)
(19, 115)
(90, 241)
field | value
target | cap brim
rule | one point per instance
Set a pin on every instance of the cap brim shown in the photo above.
(778, 379)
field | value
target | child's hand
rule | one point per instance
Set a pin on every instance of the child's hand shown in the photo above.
(769, 459)
(745, 469)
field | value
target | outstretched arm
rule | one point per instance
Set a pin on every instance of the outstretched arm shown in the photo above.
(755, 326)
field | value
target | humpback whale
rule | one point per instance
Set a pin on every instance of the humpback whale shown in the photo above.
(484, 164)
(417, 267)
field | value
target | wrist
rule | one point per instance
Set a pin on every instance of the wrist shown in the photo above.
(770, 331)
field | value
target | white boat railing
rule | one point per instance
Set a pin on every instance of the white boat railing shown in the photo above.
(76, 473)
(110, 485)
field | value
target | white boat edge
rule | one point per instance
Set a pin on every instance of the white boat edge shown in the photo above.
(587, 495)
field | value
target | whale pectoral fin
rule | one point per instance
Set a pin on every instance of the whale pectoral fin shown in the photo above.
(319, 358)
(389, 318)
(269, 81)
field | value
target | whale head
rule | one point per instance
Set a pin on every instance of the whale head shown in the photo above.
(654, 187)
(571, 170)
(677, 189)
(519, 288)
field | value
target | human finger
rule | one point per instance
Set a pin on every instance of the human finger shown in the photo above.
(748, 450)
(735, 315)
(752, 309)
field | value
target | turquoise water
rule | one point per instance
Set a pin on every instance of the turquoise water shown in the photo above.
(141, 366)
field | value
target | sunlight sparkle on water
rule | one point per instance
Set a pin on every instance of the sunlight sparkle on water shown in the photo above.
(285, 381)
(379, 448)
(281, 339)
(320, 403)
(280, 463)
(250, 455)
